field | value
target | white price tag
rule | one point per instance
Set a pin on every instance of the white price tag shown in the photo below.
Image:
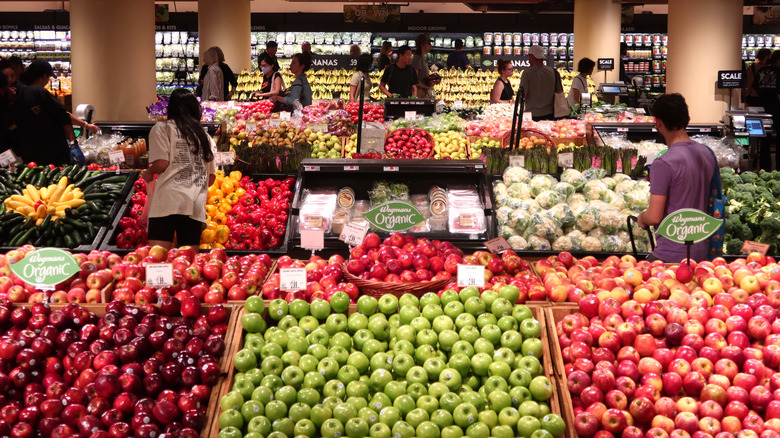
(351, 168)
(528, 116)
(410, 115)
(225, 158)
(292, 278)
(622, 130)
(318, 127)
(251, 126)
(471, 275)
(8, 158)
(517, 160)
(284, 116)
(312, 239)
(116, 157)
(641, 111)
(274, 123)
(458, 104)
(391, 168)
(498, 245)
(159, 274)
(566, 159)
(353, 234)
(705, 129)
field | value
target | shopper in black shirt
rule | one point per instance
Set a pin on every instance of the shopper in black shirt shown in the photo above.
(400, 78)
(40, 128)
(458, 59)
(384, 54)
(270, 49)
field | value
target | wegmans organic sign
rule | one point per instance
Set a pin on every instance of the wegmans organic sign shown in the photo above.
(688, 225)
(394, 216)
(45, 267)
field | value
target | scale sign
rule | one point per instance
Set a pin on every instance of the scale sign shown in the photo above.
(471, 275)
(606, 64)
(45, 268)
(730, 79)
(292, 278)
(688, 225)
(517, 160)
(749, 246)
(372, 138)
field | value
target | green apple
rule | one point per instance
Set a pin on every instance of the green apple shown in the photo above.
(361, 336)
(501, 307)
(500, 369)
(532, 347)
(340, 339)
(404, 403)
(308, 396)
(344, 411)
(441, 323)
(520, 377)
(448, 296)
(255, 375)
(407, 313)
(320, 414)
(502, 432)
(474, 306)
(278, 337)
(498, 400)
(437, 389)
(541, 433)
(510, 292)
(527, 425)
(389, 415)
(554, 424)
(331, 401)
(304, 427)
(395, 389)
(272, 381)
(259, 424)
(287, 322)
(332, 428)
(417, 416)
(504, 354)
(480, 363)
(275, 410)
(379, 401)
(488, 418)
(293, 376)
(521, 312)
(231, 417)
(442, 418)
(520, 394)
(428, 403)
(429, 313)
(488, 296)
(231, 400)
(255, 304)
(452, 378)
(314, 380)
(529, 407)
(358, 402)
(277, 309)
(507, 323)
(245, 360)
(463, 347)
(369, 416)
(348, 374)
(281, 428)
(334, 388)
(377, 325)
(388, 304)
(465, 320)
(416, 390)
(380, 361)
(495, 383)
(319, 336)
(429, 298)
(356, 321)
(492, 333)
(406, 333)
(453, 309)
(367, 305)
(328, 367)
(427, 429)
(530, 328)
(465, 415)
(423, 353)
(340, 354)
(339, 301)
(252, 322)
(379, 379)
(358, 360)
(373, 346)
(296, 332)
(483, 345)
(336, 322)
(271, 349)
(379, 430)
(297, 345)
(229, 432)
(402, 429)
(357, 389)
(452, 432)
(319, 351)
(308, 323)
(530, 364)
(473, 398)
(449, 401)
(486, 319)
(478, 430)
(263, 394)
(299, 411)
(468, 292)
(417, 374)
(299, 308)
(355, 428)
(541, 388)
(245, 387)
(319, 308)
(434, 366)
(509, 416)
(544, 409)
(426, 337)
(402, 363)
(447, 338)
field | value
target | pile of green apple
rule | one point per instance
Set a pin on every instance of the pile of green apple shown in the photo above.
(444, 365)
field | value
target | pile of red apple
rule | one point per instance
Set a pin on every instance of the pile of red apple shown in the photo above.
(409, 143)
(138, 371)
(323, 279)
(371, 112)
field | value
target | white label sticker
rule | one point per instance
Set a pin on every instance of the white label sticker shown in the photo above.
(410, 115)
(566, 159)
(641, 111)
(351, 168)
(391, 168)
(284, 116)
(622, 130)
(311, 168)
(312, 239)
(528, 116)
(517, 160)
(116, 157)
(498, 245)
(352, 234)
(292, 278)
(8, 158)
(471, 275)
(159, 274)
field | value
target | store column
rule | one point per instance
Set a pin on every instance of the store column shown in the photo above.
(704, 36)
(597, 34)
(112, 46)
(227, 24)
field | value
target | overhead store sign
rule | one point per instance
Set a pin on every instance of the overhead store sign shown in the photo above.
(386, 14)
(730, 79)
(333, 61)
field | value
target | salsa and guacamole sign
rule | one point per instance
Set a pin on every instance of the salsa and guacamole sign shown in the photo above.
(45, 268)
(394, 216)
(688, 225)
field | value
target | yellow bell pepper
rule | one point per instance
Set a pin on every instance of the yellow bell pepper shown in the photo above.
(217, 245)
(211, 210)
(235, 175)
(208, 236)
(228, 187)
(225, 207)
(240, 191)
(219, 174)
(220, 219)
(231, 198)
(211, 225)
(206, 246)
(223, 233)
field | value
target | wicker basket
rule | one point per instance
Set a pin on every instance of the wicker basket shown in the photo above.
(526, 133)
(378, 288)
(411, 130)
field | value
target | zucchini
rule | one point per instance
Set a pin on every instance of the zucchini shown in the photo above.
(75, 236)
(46, 222)
(96, 196)
(99, 218)
(66, 241)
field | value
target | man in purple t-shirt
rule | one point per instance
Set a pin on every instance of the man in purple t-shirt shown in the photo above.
(678, 179)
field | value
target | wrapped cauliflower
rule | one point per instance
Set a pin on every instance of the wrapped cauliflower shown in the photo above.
(547, 199)
(516, 174)
(519, 220)
(640, 235)
(563, 243)
(618, 202)
(542, 226)
(620, 177)
(624, 236)
(577, 203)
(514, 202)
(594, 190)
(506, 231)
(625, 185)
(564, 189)
(591, 244)
(531, 206)
(641, 246)
(598, 233)
(610, 182)
(518, 243)
(540, 183)
(502, 214)
(612, 244)
(562, 213)
(576, 237)
(573, 177)
(501, 198)
(611, 221)
(536, 243)
(586, 220)
(594, 173)
(609, 196)
(520, 190)
(637, 200)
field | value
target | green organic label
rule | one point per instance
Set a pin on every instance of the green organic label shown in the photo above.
(394, 216)
(45, 267)
(688, 225)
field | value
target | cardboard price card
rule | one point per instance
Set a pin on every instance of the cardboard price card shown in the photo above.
(353, 234)
(750, 246)
(312, 239)
(159, 274)
(116, 157)
(566, 159)
(497, 245)
(517, 160)
(471, 275)
(292, 278)
(8, 158)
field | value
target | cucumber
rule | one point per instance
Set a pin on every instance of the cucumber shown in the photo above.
(75, 236)
(99, 218)
(66, 241)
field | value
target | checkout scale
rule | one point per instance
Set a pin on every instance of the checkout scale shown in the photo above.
(752, 129)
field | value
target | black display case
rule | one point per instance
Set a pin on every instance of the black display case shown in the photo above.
(418, 175)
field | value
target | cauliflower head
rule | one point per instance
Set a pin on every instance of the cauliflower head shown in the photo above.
(518, 243)
(516, 174)
(540, 183)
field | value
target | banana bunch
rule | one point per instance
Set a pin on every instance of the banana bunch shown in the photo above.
(53, 200)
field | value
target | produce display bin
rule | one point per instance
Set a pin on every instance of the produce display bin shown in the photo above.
(418, 175)
(397, 108)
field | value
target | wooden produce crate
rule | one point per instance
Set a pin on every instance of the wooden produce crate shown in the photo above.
(554, 314)
(556, 404)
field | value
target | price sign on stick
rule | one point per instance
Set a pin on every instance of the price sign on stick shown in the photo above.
(469, 275)
(517, 160)
(750, 246)
(498, 245)
(116, 157)
(284, 116)
(312, 239)
(566, 159)
(225, 158)
(8, 158)
(159, 274)
(274, 123)
(410, 115)
(353, 234)
(292, 278)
